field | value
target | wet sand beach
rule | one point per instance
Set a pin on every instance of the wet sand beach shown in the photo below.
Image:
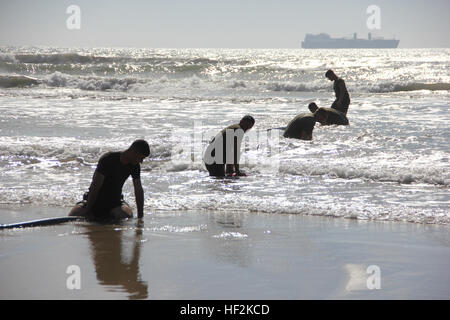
(222, 255)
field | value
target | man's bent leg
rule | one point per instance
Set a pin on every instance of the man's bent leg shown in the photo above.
(122, 212)
(216, 170)
(342, 107)
(334, 105)
(78, 210)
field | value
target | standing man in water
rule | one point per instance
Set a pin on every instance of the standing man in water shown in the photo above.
(104, 200)
(222, 155)
(340, 90)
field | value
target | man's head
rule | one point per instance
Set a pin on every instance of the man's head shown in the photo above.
(331, 75)
(321, 116)
(138, 151)
(247, 123)
(313, 107)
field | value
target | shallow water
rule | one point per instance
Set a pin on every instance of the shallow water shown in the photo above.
(391, 163)
(222, 255)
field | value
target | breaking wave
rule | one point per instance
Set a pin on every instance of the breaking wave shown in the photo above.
(413, 86)
(13, 81)
(299, 87)
(61, 58)
(403, 175)
(58, 79)
(118, 69)
(376, 88)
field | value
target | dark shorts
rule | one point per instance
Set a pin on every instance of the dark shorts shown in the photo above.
(216, 170)
(342, 107)
(102, 210)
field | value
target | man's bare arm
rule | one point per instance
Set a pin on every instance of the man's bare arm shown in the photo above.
(139, 195)
(236, 155)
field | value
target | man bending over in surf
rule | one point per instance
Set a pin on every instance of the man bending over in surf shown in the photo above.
(104, 200)
(328, 116)
(224, 149)
(301, 127)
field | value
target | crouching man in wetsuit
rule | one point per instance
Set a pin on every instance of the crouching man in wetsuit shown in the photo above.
(224, 149)
(104, 201)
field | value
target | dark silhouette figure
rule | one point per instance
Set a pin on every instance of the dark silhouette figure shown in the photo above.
(340, 90)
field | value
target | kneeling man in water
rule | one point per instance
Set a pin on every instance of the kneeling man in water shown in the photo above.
(224, 149)
(328, 116)
(301, 127)
(104, 200)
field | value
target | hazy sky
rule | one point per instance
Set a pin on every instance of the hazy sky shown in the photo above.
(219, 24)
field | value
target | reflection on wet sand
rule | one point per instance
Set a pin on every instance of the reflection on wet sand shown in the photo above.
(110, 259)
(233, 244)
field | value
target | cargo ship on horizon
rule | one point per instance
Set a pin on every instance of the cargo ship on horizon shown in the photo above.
(324, 41)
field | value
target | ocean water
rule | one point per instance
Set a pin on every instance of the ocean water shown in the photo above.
(61, 109)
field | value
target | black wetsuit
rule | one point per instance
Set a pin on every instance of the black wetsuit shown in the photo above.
(335, 117)
(340, 90)
(302, 122)
(115, 173)
(217, 168)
